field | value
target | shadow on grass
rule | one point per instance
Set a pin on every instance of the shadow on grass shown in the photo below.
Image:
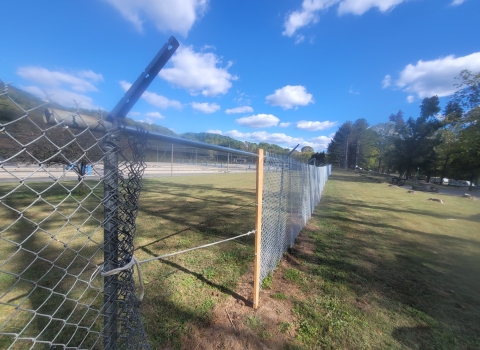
(431, 278)
(150, 184)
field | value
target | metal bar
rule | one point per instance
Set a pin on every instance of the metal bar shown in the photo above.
(111, 219)
(290, 153)
(80, 121)
(144, 79)
(110, 250)
(171, 163)
(171, 139)
(75, 120)
(258, 230)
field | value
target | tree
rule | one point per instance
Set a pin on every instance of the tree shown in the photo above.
(320, 158)
(339, 145)
(449, 136)
(307, 149)
(466, 161)
(415, 143)
(383, 142)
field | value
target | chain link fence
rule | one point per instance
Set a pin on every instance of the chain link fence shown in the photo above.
(291, 190)
(170, 159)
(66, 208)
(69, 192)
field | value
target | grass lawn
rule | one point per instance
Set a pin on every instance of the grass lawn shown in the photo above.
(381, 268)
(375, 268)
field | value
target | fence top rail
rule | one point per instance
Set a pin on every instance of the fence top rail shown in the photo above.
(185, 142)
(81, 121)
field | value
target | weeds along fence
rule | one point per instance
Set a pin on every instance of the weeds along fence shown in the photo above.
(69, 191)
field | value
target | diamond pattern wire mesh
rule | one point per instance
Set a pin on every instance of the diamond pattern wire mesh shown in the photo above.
(52, 231)
(291, 190)
(68, 203)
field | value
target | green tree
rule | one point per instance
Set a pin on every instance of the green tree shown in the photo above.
(338, 148)
(307, 149)
(466, 161)
(383, 143)
(416, 141)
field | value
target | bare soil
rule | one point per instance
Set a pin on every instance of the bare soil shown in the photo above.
(235, 325)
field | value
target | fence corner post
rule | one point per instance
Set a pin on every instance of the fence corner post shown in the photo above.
(258, 230)
(110, 250)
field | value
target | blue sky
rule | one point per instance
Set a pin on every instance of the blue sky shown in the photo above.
(284, 71)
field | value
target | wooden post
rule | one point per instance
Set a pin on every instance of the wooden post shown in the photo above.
(258, 230)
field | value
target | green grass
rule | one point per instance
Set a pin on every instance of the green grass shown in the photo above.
(391, 270)
(280, 296)
(176, 213)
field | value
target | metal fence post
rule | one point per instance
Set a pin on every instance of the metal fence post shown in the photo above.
(258, 230)
(110, 188)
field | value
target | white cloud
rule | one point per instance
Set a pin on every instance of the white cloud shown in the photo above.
(242, 109)
(154, 115)
(310, 9)
(436, 77)
(82, 81)
(160, 101)
(307, 15)
(259, 121)
(198, 72)
(359, 7)
(410, 98)
(318, 143)
(284, 125)
(90, 75)
(353, 92)
(167, 15)
(322, 141)
(299, 39)
(457, 2)
(214, 132)
(61, 96)
(315, 126)
(57, 86)
(290, 96)
(205, 107)
(387, 81)
(154, 99)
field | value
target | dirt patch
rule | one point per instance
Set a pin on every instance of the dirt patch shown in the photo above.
(234, 324)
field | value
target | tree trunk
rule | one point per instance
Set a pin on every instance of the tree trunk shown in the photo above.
(444, 169)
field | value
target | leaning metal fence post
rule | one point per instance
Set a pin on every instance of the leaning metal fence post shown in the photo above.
(258, 230)
(110, 188)
(111, 220)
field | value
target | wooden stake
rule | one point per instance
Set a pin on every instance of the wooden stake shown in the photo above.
(258, 231)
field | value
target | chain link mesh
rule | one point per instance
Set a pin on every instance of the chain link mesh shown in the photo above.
(68, 202)
(52, 204)
(291, 190)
